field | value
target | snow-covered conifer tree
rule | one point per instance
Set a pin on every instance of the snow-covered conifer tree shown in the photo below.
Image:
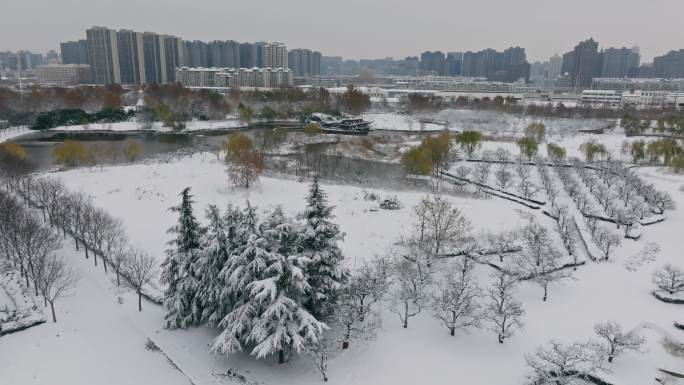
(178, 270)
(319, 241)
(215, 250)
(269, 282)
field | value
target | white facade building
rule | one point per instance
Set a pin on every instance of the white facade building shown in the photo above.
(275, 55)
(601, 97)
(647, 99)
(224, 78)
(63, 74)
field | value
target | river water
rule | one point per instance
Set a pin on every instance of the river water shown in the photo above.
(39, 148)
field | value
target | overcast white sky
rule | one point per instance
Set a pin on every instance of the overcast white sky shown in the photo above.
(360, 28)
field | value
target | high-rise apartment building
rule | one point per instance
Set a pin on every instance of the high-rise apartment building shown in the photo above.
(453, 63)
(275, 55)
(555, 63)
(304, 62)
(620, 62)
(131, 57)
(432, 62)
(331, 65)
(248, 55)
(103, 55)
(670, 65)
(507, 66)
(196, 53)
(583, 64)
(74, 52)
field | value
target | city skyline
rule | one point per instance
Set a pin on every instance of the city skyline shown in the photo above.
(374, 34)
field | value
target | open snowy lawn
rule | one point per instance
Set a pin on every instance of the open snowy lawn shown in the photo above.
(95, 341)
(102, 341)
(488, 122)
(141, 196)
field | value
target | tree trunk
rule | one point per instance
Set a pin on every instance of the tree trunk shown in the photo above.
(95, 258)
(76, 241)
(86, 251)
(118, 281)
(52, 307)
(281, 356)
(611, 355)
(139, 300)
(345, 345)
(501, 339)
(545, 294)
(104, 264)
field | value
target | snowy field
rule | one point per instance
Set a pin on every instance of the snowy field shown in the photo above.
(101, 337)
(488, 122)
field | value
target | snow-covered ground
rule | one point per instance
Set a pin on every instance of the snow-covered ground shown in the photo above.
(133, 126)
(10, 133)
(99, 340)
(488, 122)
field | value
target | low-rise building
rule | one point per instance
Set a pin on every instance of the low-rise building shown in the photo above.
(63, 74)
(647, 99)
(601, 97)
(631, 84)
(223, 78)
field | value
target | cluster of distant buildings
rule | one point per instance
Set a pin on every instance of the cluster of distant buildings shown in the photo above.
(584, 75)
(108, 56)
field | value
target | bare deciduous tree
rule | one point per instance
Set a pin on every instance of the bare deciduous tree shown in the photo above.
(320, 352)
(616, 340)
(502, 242)
(669, 278)
(409, 295)
(544, 269)
(503, 176)
(438, 224)
(356, 310)
(57, 279)
(606, 241)
(502, 311)
(456, 301)
(140, 270)
(560, 364)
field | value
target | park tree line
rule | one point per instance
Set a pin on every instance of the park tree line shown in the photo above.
(73, 153)
(30, 246)
(66, 214)
(170, 104)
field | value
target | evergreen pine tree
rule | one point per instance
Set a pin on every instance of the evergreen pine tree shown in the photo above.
(245, 265)
(270, 283)
(215, 251)
(319, 242)
(178, 270)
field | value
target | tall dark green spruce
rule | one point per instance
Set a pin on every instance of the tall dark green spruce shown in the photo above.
(319, 243)
(178, 270)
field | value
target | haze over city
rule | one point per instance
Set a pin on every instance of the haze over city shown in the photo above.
(361, 29)
(359, 192)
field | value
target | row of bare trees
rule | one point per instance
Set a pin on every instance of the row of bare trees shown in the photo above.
(27, 245)
(99, 235)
